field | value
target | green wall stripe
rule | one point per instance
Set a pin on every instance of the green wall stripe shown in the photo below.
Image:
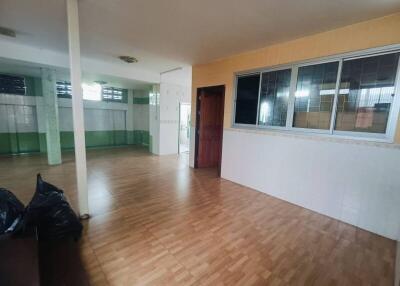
(13, 143)
(5, 144)
(28, 142)
(42, 142)
(141, 137)
(141, 100)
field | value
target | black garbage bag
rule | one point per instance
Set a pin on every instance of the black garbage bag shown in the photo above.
(11, 212)
(50, 212)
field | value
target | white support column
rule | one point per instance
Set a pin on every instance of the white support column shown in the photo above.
(77, 106)
(50, 108)
(129, 117)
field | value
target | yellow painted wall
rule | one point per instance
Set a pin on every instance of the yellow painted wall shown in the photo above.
(373, 33)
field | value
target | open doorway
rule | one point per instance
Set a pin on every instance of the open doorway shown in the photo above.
(184, 127)
(209, 126)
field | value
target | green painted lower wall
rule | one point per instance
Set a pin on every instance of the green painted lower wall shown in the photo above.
(141, 100)
(28, 142)
(5, 144)
(151, 143)
(42, 142)
(141, 137)
(14, 143)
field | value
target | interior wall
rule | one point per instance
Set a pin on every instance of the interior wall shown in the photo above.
(353, 181)
(105, 123)
(23, 126)
(374, 33)
(141, 134)
(175, 88)
(19, 131)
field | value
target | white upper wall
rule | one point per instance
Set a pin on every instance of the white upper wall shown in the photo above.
(175, 88)
(180, 76)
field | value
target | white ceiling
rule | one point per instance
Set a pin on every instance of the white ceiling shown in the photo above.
(164, 34)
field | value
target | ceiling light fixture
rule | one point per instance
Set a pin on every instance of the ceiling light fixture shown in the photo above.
(7, 32)
(128, 59)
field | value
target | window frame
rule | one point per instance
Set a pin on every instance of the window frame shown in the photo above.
(234, 102)
(65, 95)
(113, 89)
(387, 137)
(24, 82)
(292, 95)
(278, 68)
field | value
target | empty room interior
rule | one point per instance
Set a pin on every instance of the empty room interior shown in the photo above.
(199, 142)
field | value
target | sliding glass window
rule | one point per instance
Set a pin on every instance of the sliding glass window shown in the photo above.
(353, 95)
(274, 97)
(367, 90)
(314, 96)
(247, 91)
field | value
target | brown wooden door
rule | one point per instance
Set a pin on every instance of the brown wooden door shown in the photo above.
(210, 114)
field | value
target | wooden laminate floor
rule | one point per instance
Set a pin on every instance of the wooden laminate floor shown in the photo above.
(157, 222)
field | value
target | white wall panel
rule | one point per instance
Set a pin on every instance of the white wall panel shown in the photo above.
(95, 119)
(12, 126)
(141, 117)
(119, 117)
(18, 118)
(357, 183)
(19, 113)
(98, 119)
(170, 97)
(12, 99)
(4, 119)
(26, 120)
(175, 88)
(90, 104)
(65, 119)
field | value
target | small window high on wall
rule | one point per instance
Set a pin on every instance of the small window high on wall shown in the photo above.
(94, 92)
(354, 95)
(114, 94)
(64, 89)
(12, 85)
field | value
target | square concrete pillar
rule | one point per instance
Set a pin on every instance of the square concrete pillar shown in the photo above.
(50, 109)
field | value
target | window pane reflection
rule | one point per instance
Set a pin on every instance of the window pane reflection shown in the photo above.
(274, 98)
(247, 99)
(314, 95)
(366, 93)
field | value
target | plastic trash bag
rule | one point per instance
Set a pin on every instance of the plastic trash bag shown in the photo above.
(11, 212)
(50, 212)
